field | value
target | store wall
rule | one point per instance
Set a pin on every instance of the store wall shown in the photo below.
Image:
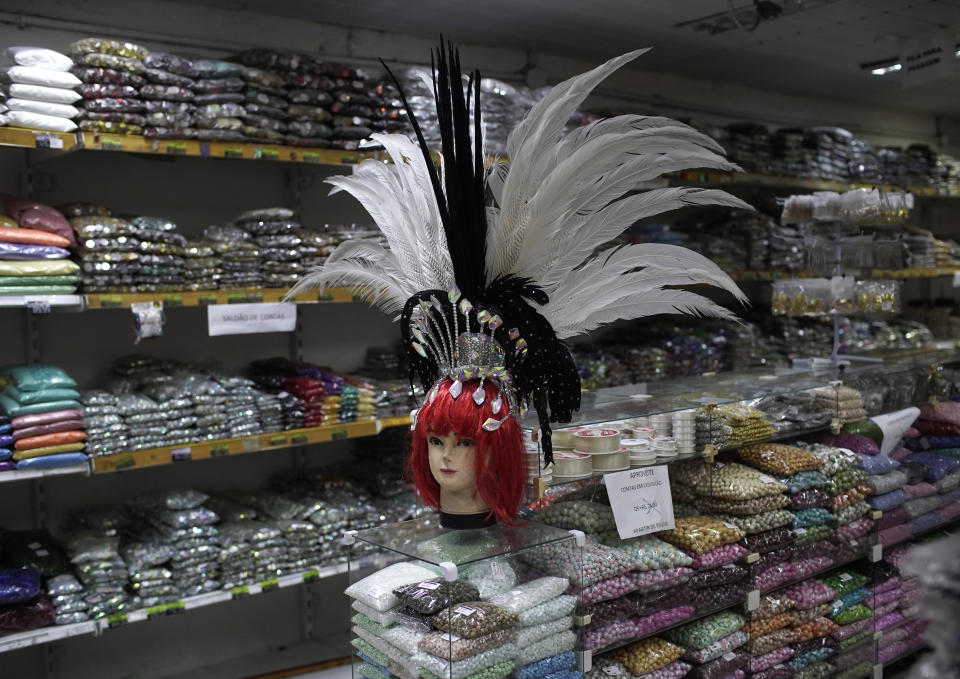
(206, 31)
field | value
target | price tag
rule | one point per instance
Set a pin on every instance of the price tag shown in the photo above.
(233, 152)
(450, 636)
(181, 454)
(767, 479)
(219, 451)
(278, 440)
(116, 619)
(246, 319)
(173, 300)
(37, 306)
(239, 592)
(497, 569)
(429, 585)
(266, 154)
(111, 145)
(311, 157)
(207, 299)
(43, 140)
(729, 656)
(110, 301)
(846, 577)
(176, 608)
(640, 500)
(612, 671)
(465, 611)
(251, 444)
(298, 439)
(311, 575)
(176, 148)
(156, 611)
(270, 585)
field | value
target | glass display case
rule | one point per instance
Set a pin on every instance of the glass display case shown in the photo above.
(484, 603)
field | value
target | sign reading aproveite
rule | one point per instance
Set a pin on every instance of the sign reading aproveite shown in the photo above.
(640, 500)
(246, 319)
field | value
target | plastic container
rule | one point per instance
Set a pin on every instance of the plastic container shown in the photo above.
(611, 462)
(577, 465)
(596, 441)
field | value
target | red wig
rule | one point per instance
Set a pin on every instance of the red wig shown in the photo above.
(500, 467)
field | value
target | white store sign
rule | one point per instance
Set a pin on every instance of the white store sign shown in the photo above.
(248, 319)
(640, 500)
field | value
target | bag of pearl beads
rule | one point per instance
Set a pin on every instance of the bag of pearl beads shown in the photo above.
(727, 665)
(376, 590)
(431, 596)
(452, 647)
(717, 648)
(590, 517)
(757, 505)
(651, 553)
(779, 459)
(735, 481)
(700, 534)
(702, 633)
(558, 664)
(552, 645)
(473, 619)
(551, 609)
(647, 655)
(530, 594)
(471, 665)
(583, 566)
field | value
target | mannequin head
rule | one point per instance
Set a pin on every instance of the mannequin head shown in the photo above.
(452, 454)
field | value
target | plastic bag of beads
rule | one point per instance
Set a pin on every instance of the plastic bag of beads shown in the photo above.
(811, 498)
(736, 481)
(428, 597)
(383, 618)
(803, 661)
(552, 645)
(948, 483)
(845, 480)
(718, 556)
(849, 497)
(888, 501)
(922, 505)
(851, 513)
(461, 669)
(767, 660)
(727, 665)
(700, 534)
(799, 617)
(583, 566)
(877, 464)
(886, 483)
(530, 594)
(376, 590)
(491, 576)
(779, 459)
(556, 663)
(552, 609)
(473, 619)
(758, 505)
(600, 636)
(757, 627)
(814, 516)
(845, 581)
(524, 636)
(834, 459)
(853, 442)
(451, 647)
(852, 614)
(714, 577)
(772, 604)
(651, 581)
(123, 49)
(612, 588)
(810, 593)
(647, 655)
(590, 517)
(60, 585)
(921, 489)
(813, 629)
(759, 523)
(706, 631)
(758, 646)
(770, 540)
(804, 480)
(650, 553)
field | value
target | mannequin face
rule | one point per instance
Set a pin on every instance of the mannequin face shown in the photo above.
(452, 460)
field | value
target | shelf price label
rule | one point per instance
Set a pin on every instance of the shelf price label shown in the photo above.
(311, 575)
(232, 152)
(270, 585)
(116, 619)
(239, 592)
(176, 148)
(640, 500)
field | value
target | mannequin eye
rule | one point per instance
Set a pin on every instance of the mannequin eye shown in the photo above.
(466, 443)
(434, 441)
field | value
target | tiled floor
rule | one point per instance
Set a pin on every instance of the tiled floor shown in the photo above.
(342, 672)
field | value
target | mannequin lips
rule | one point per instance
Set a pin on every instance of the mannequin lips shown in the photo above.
(448, 472)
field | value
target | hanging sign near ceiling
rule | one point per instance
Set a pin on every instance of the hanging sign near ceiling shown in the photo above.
(927, 57)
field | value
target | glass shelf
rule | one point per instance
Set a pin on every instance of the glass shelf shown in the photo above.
(426, 540)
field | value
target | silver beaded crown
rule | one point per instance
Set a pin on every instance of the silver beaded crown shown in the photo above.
(462, 354)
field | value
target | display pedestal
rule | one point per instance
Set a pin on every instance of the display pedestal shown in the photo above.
(456, 604)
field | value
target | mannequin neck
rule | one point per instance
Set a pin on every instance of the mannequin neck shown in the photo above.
(463, 502)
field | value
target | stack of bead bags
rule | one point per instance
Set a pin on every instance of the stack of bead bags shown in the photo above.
(42, 90)
(34, 254)
(46, 421)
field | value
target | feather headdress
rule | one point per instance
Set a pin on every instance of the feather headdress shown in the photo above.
(511, 253)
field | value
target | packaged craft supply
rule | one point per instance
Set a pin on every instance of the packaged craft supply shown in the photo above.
(700, 534)
(647, 655)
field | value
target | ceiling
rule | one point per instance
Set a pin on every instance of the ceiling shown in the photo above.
(814, 48)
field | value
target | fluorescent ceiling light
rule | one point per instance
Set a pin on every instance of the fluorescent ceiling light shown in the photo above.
(885, 66)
